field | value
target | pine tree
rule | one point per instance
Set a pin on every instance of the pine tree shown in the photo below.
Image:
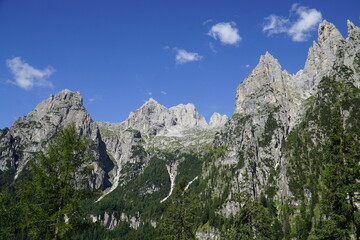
(52, 200)
(9, 216)
(253, 221)
(340, 184)
(179, 222)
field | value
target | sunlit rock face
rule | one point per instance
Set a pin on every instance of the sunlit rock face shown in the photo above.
(30, 134)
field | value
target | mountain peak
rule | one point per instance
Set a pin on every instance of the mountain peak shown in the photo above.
(257, 89)
(63, 103)
(267, 63)
(154, 119)
(152, 103)
(217, 120)
(327, 31)
(185, 107)
(268, 58)
(350, 24)
(152, 100)
(65, 91)
(67, 95)
(353, 31)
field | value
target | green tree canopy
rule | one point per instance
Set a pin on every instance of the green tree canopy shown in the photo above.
(51, 201)
(340, 184)
(253, 221)
(179, 222)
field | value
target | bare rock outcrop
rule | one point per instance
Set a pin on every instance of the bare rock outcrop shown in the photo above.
(270, 101)
(30, 134)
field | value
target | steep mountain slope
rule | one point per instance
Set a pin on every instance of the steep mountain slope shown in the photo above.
(275, 140)
(252, 152)
(29, 134)
(270, 102)
(122, 149)
(154, 128)
(269, 157)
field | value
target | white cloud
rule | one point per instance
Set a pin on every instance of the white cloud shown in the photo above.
(212, 47)
(149, 93)
(247, 65)
(184, 56)
(276, 24)
(207, 21)
(95, 98)
(163, 92)
(299, 28)
(26, 76)
(308, 20)
(226, 32)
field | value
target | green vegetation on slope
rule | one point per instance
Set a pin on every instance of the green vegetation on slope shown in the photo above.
(49, 205)
(321, 161)
(316, 170)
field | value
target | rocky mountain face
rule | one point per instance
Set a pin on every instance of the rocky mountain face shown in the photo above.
(114, 143)
(30, 134)
(155, 119)
(152, 127)
(270, 102)
(267, 148)
(217, 120)
(270, 149)
(122, 150)
(277, 112)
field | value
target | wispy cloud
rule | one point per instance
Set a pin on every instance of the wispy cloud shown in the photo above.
(95, 98)
(26, 76)
(212, 47)
(207, 21)
(298, 26)
(184, 56)
(247, 65)
(226, 32)
(276, 24)
(307, 21)
(163, 92)
(149, 93)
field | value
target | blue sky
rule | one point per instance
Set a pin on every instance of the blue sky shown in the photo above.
(118, 54)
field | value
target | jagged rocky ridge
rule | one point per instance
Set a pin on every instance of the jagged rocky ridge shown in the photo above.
(114, 142)
(151, 127)
(260, 142)
(146, 155)
(31, 133)
(272, 105)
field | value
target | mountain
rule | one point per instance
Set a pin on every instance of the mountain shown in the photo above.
(114, 142)
(276, 140)
(270, 102)
(155, 119)
(29, 134)
(154, 126)
(271, 157)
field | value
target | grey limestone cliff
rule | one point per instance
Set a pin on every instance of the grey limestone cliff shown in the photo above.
(155, 119)
(30, 134)
(242, 153)
(217, 120)
(153, 126)
(270, 102)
